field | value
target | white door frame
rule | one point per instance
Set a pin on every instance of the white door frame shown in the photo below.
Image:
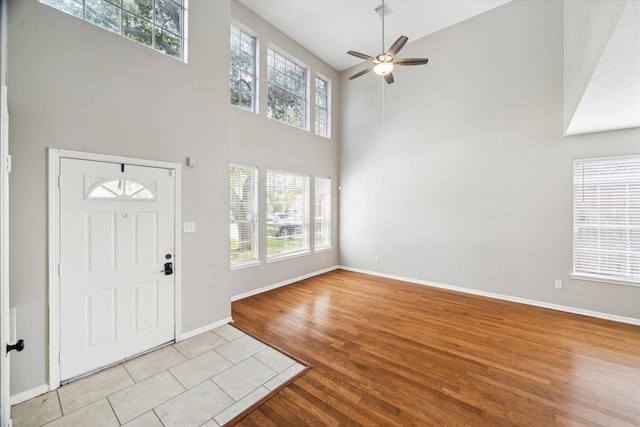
(54, 246)
(5, 401)
(5, 372)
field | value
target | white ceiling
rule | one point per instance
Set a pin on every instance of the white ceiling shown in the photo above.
(329, 28)
(612, 97)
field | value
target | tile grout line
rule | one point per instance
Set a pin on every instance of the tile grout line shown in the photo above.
(111, 406)
(225, 392)
(61, 412)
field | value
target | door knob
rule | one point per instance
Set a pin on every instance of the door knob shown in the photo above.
(19, 346)
(168, 268)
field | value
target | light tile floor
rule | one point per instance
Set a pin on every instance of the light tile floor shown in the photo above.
(206, 381)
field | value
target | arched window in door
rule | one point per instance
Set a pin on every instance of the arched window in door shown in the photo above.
(122, 189)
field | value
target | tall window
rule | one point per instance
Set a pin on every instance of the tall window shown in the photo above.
(243, 69)
(323, 214)
(158, 24)
(287, 214)
(286, 90)
(606, 219)
(322, 107)
(243, 227)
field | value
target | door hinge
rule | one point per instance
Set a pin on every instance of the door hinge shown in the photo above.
(9, 164)
(59, 270)
(172, 172)
(59, 181)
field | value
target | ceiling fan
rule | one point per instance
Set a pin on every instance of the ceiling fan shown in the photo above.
(383, 64)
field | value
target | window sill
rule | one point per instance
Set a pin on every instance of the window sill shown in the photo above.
(288, 256)
(243, 265)
(324, 249)
(604, 279)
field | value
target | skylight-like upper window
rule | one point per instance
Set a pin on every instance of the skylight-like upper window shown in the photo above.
(322, 107)
(243, 69)
(158, 24)
(286, 90)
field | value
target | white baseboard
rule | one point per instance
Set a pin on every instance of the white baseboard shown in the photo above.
(567, 309)
(29, 394)
(280, 284)
(205, 328)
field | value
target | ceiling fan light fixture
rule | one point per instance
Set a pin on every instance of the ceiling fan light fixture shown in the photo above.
(383, 64)
(383, 68)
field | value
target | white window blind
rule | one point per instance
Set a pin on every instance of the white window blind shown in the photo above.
(323, 214)
(287, 214)
(606, 219)
(243, 226)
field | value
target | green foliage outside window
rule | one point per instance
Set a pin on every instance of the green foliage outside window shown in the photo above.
(243, 68)
(322, 107)
(286, 90)
(154, 23)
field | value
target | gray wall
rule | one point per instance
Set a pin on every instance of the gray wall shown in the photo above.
(259, 141)
(458, 173)
(77, 87)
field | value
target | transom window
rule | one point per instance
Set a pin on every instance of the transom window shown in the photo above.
(606, 219)
(322, 107)
(286, 90)
(287, 214)
(158, 24)
(121, 189)
(243, 69)
(243, 227)
(323, 214)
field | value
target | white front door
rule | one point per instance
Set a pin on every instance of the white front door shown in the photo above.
(116, 238)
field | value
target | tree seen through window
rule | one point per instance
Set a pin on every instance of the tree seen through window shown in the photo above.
(154, 23)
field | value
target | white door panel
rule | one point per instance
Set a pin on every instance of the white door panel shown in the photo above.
(116, 230)
(100, 237)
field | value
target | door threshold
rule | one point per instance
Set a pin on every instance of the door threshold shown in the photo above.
(126, 359)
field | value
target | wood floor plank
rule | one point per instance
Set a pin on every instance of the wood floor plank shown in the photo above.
(386, 352)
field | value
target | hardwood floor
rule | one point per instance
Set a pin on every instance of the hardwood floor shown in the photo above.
(385, 352)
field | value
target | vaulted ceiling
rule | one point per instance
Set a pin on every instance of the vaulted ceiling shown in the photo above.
(330, 28)
(611, 99)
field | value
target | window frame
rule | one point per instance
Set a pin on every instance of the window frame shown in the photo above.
(596, 221)
(273, 51)
(256, 63)
(156, 26)
(326, 108)
(326, 207)
(254, 211)
(271, 211)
